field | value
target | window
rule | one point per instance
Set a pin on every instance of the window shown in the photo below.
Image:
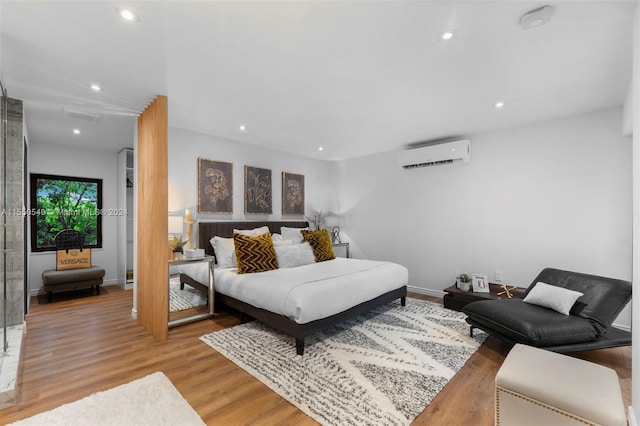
(63, 202)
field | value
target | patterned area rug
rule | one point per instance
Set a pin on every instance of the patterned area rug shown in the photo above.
(381, 368)
(180, 300)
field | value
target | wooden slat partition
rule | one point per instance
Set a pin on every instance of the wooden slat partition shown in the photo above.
(152, 219)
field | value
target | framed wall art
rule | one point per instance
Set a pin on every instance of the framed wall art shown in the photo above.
(292, 194)
(257, 191)
(215, 186)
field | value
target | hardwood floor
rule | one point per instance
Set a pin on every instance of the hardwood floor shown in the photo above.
(82, 343)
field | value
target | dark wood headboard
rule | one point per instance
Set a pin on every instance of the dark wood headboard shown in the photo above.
(208, 230)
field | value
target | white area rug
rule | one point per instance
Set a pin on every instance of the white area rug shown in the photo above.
(187, 298)
(151, 400)
(382, 368)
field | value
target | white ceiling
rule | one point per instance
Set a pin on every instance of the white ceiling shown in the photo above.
(354, 77)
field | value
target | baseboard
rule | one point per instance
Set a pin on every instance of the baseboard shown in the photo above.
(632, 417)
(426, 291)
(622, 327)
(134, 313)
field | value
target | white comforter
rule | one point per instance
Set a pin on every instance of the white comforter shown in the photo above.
(311, 292)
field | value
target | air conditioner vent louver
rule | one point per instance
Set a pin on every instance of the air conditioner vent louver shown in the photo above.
(436, 155)
(431, 163)
(78, 115)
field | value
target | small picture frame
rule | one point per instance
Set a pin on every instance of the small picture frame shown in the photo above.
(480, 283)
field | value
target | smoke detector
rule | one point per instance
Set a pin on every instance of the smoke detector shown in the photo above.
(536, 17)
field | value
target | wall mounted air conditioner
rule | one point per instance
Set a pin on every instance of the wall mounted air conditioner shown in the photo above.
(437, 154)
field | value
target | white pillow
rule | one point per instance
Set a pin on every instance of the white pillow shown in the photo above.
(252, 232)
(276, 237)
(277, 243)
(290, 256)
(292, 234)
(550, 296)
(225, 252)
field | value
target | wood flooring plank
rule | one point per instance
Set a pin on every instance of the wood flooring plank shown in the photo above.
(83, 343)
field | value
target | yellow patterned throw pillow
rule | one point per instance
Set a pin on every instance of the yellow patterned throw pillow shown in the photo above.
(255, 254)
(320, 243)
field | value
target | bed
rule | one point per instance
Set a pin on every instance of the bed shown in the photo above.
(331, 277)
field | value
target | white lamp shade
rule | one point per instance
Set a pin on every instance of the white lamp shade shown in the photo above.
(175, 225)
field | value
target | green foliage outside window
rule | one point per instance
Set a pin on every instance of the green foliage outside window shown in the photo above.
(60, 202)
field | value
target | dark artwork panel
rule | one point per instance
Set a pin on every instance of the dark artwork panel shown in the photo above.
(215, 186)
(257, 191)
(292, 194)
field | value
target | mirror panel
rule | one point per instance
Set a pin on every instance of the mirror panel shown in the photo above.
(190, 290)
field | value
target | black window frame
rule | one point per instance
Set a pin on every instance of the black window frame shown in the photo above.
(36, 215)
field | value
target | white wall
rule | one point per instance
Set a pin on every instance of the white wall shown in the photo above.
(67, 161)
(554, 194)
(185, 147)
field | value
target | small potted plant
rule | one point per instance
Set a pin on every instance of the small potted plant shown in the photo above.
(175, 246)
(464, 282)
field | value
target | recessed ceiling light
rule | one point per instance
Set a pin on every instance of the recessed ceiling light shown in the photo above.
(320, 148)
(127, 15)
(95, 87)
(76, 131)
(499, 104)
(447, 35)
(242, 128)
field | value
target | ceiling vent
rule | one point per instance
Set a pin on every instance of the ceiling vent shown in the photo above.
(454, 152)
(91, 118)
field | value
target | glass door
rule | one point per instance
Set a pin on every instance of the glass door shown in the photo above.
(12, 215)
(3, 258)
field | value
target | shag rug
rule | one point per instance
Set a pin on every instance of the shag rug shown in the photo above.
(187, 298)
(381, 368)
(151, 400)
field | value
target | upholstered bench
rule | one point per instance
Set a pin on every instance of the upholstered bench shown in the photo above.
(70, 279)
(538, 387)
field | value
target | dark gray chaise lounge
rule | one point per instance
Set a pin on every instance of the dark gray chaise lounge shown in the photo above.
(588, 326)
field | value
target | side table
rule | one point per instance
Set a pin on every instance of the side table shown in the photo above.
(197, 314)
(341, 249)
(457, 299)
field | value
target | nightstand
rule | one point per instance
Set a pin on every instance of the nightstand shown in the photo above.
(341, 249)
(185, 312)
(457, 299)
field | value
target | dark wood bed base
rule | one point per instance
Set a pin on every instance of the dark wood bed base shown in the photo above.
(300, 331)
(206, 230)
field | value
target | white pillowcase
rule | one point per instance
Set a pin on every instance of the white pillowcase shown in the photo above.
(225, 251)
(292, 255)
(550, 296)
(292, 234)
(252, 232)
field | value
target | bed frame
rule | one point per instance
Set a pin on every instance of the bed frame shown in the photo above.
(207, 230)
